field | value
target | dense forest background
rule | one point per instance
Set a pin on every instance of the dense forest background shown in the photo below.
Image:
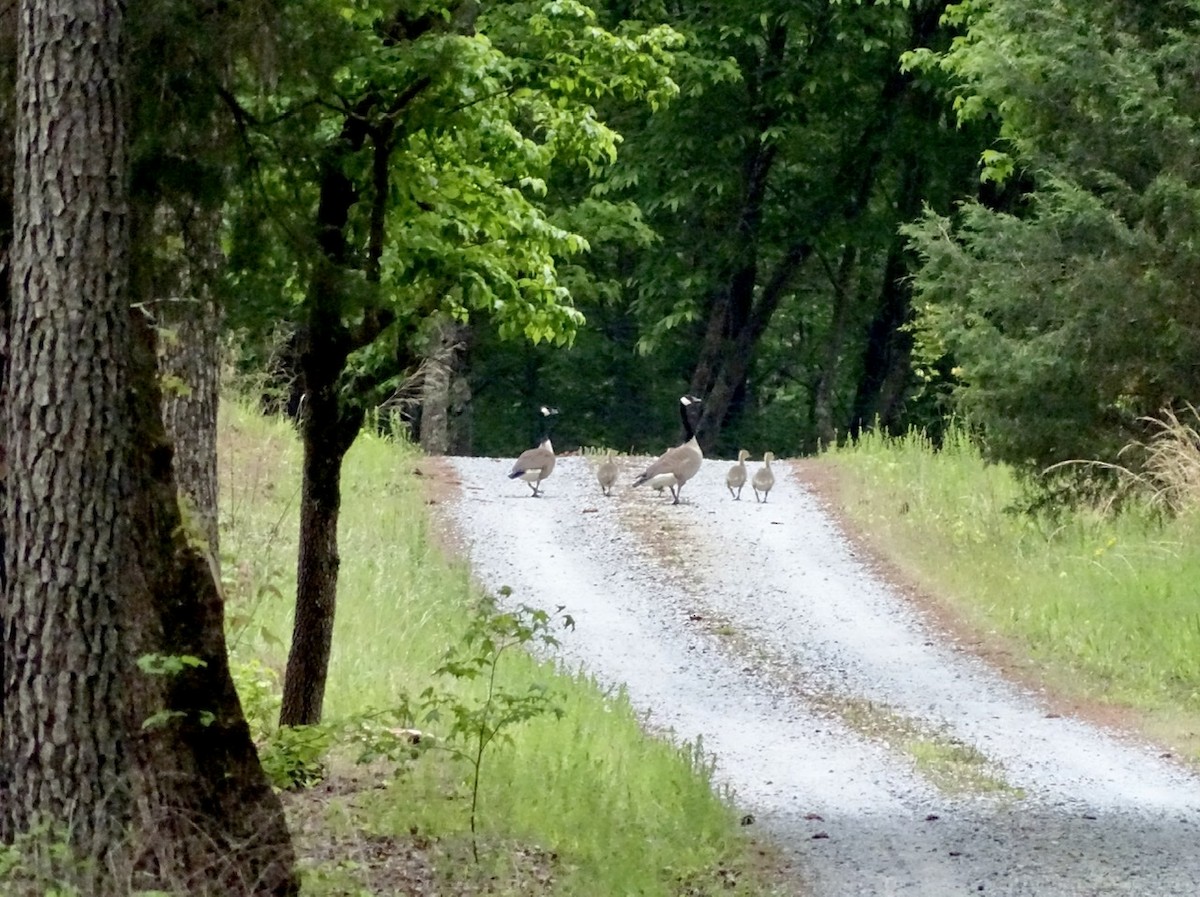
(818, 216)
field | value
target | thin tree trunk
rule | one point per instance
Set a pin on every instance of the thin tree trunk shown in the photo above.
(326, 436)
(732, 365)
(822, 405)
(325, 348)
(888, 346)
(329, 424)
(189, 365)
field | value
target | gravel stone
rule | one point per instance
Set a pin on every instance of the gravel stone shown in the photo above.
(757, 629)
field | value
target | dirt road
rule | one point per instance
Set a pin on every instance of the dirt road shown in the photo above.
(880, 755)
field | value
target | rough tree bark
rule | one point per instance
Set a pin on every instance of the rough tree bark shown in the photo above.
(441, 391)
(8, 144)
(189, 363)
(98, 571)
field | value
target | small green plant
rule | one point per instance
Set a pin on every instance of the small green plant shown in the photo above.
(476, 725)
(294, 757)
(171, 665)
(291, 756)
(42, 861)
(168, 664)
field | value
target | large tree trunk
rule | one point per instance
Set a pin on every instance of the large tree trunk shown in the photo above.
(8, 76)
(208, 820)
(62, 629)
(98, 571)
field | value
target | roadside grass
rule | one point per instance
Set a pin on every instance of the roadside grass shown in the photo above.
(1105, 604)
(586, 804)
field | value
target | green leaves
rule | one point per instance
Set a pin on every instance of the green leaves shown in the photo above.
(168, 664)
(1069, 318)
(480, 127)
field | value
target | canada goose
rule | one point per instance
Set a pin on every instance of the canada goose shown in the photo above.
(677, 465)
(763, 478)
(606, 474)
(536, 464)
(736, 478)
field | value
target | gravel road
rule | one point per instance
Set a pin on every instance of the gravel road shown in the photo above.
(814, 685)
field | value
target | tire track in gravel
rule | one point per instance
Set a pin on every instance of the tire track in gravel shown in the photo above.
(755, 628)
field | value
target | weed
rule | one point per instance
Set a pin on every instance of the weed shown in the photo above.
(477, 724)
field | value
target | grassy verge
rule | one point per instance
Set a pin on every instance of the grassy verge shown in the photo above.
(1106, 606)
(584, 804)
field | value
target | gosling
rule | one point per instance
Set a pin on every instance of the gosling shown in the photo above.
(736, 478)
(763, 478)
(606, 474)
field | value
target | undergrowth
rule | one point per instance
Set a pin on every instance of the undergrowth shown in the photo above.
(484, 768)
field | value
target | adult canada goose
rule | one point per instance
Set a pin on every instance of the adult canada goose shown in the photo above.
(676, 466)
(536, 464)
(606, 474)
(763, 478)
(736, 478)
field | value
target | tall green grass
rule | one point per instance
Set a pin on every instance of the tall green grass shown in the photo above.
(1108, 604)
(624, 813)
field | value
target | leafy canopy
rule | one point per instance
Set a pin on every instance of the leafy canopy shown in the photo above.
(477, 121)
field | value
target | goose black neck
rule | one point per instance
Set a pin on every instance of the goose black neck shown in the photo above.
(547, 424)
(685, 414)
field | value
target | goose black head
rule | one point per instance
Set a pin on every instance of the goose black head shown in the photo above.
(689, 408)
